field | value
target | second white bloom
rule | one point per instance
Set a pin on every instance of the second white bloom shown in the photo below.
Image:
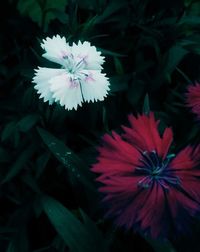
(78, 79)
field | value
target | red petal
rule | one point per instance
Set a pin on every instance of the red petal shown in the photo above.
(145, 136)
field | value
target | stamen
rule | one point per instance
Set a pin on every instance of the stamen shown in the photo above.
(81, 89)
(163, 184)
(154, 155)
(154, 169)
(148, 159)
(79, 63)
(146, 182)
(139, 168)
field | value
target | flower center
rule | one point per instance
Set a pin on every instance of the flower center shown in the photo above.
(72, 65)
(156, 170)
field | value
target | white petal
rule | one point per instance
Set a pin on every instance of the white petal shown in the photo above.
(41, 79)
(65, 92)
(91, 56)
(95, 86)
(56, 48)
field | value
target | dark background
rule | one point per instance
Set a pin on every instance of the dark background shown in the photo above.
(48, 196)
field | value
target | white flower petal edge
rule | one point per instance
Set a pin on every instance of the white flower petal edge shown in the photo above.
(95, 86)
(66, 92)
(41, 79)
(56, 48)
(91, 56)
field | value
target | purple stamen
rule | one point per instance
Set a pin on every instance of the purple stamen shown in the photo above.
(155, 170)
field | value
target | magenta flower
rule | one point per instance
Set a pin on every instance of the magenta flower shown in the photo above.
(193, 98)
(146, 188)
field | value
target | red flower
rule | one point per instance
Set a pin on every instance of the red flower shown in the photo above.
(193, 98)
(146, 188)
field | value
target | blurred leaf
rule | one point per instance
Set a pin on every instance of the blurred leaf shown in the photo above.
(20, 241)
(135, 91)
(42, 12)
(60, 15)
(194, 9)
(8, 130)
(140, 68)
(32, 9)
(88, 25)
(26, 123)
(146, 106)
(118, 66)
(69, 227)
(184, 76)
(92, 229)
(119, 82)
(41, 163)
(190, 20)
(174, 57)
(11, 247)
(59, 244)
(110, 9)
(187, 2)
(4, 155)
(19, 164)
(110, 53)
(31, 182)
(159, 246)
(67, 157)
(28, 97)
(53, 9)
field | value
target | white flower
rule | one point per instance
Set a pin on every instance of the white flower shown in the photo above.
(79, 77)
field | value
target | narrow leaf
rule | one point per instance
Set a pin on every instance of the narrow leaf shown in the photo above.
(19, 164)
(68, 226)
(67, 157)
(27, 122)
(174, 57)
(146, 106)
(159, 246)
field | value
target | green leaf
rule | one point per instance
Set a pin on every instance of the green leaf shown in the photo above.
(20, 242)
(19, 164)
(32, 9)
(41, 163)
(68, 226)
(119, 82)
(110, 53)
(146, 106)
(42, 12)
(4, 155)
(88, 25)
(60, 15)
(53, 10)
(11, 247)
(118, 66)
(190, 20)
(159, 246)
(67, 157)
(26, 123)
(8, 130)
(135, 91)
(174, 57)
(31, 182)
(110, 9)
(95, 232)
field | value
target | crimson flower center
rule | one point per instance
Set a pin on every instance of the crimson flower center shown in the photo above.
(154, 169)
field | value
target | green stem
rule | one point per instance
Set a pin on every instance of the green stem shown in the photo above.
(183, 75)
